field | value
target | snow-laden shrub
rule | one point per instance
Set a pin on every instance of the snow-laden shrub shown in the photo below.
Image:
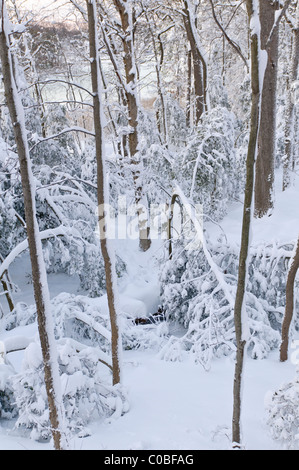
(268, 269)
(213, 172)
(283, 414)
(62, 200)
(21, 315)
(85, 385)
(82, 319)
(8, 408)
(158, 160)
(175, 120)
(11, 201)
(87, 320)
(199, 295)
(83, 338)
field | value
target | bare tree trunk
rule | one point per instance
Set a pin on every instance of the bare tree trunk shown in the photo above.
(7, 293)
(289, 309)
(288, 163)
(199, 64)
(189, 88)
(264, 175)
(6, 284)
(32, 65)
(162, 113)
(41, 293)
(110, 273)
(240, 305)
(126, 16)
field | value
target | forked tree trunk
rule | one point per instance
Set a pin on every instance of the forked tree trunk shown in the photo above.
(39, 276)
(110, 273)
(289, 308)
(240, 304)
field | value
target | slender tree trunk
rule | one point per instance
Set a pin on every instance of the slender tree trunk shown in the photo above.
(7, 293)
(240, 305)
(288, 163)
(41, 293)
(110, 273)
(162, 113)
(32, 65)
(189, 88)
(126, 16)
(264, 175)
(6, 284)
(199, 64)
(289, 309)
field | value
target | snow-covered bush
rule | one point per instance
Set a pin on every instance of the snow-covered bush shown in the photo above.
(212, 173)
(21, 315)
(85, 389)
(82, 331)
(158, 160)
(283, 414)
(198, 292)
(8, 408)
(86, 320)
(11, 203)
(175, 120)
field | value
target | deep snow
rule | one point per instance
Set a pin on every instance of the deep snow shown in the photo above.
(173, 406)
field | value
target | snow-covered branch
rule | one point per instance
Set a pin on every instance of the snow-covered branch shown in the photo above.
(21, 247)
(64, 131)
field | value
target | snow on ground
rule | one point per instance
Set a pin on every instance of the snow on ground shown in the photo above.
(179, 406)
(173, 406)
(281, 226)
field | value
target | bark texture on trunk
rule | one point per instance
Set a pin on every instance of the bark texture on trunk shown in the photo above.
(110, 273)
(6, 290)
(240, 306)
(41, 295)
(292, 97)
(289, 308)
(264, 174)
(126, 17)
(200, 73)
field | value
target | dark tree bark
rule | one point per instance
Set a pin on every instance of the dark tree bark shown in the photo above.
(6, 291)
(200, 72)
(289, 163)
(102, 199)
(240, 305)
(189, 88)
(126, 17)
(41, 294)
(264, 174)
(289, 309)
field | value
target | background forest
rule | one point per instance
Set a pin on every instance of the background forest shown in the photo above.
(149, 223)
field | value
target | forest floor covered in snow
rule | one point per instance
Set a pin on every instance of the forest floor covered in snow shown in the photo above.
(173, 405)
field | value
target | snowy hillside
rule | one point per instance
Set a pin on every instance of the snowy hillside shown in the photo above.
(149, 235)
(172, 405)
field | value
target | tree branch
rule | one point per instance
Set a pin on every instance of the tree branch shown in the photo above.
(277, 21)
(64, 131)
(234, 45)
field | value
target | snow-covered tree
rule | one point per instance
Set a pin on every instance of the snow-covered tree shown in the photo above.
(38, 267)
